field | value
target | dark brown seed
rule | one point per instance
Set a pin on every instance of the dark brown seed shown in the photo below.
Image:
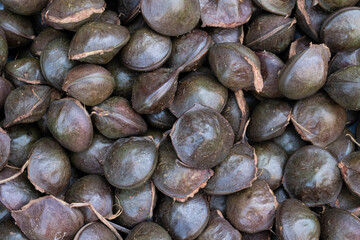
(348, 201)
(290, 140)
(236, 111)
(344, 59)
(219, 228)
(343, 87)
(236, 66)
(271, 33)
(5, 88)
(331, 5)
(174, 179)
(70, 14)
(305, 73)
(154, 91)
(148, 231)
(339, 224)
(311, 175)
(95, 231)
(9, 231)
(263, 235)
(253, 209)
(24, 71)
(184, 220)
(350, 171)
(126, 9)
(91, 160)
(55, 63)
(280, 7)
(271, 160)
(310, 18)
(16, 193)
(98, 42)
(236, 172)
(288, 216)
(162, 120)
(49, 169)
(342, 146)
(299, 45)
(318, 119)
(48, 218)
(124, 78)
(26, 104)
(198, 88)
(177, 16)
(18, 29)
(146, 50)
(270, 67)
(114, 118)
(91, 189)
(217, 202)
(4, 213)
(221, 35)
(70, 124)
(4, 50)
(109, 17)
(136, 205)
(124, 158)
(268, 120)
(24, 7)
(43, 39)
(189, 50)
(341, 30)
(90, 84)
(202, 138)
(281, 194)
(4, 148)
(225, 13)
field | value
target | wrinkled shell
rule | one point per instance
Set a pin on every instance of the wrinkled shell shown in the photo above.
(26, 104)
(91, 189)
(136, 205)
(48, 218)
(146, 50)
(184, 220)
(318, 119)
(123, 159)
(90, 84)
(49, 169)
(114, 118)
(252, 210)
(71, 14)
(225, 13)
(199, 133)
(70, 124)
(311, 175)
(177, 16)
